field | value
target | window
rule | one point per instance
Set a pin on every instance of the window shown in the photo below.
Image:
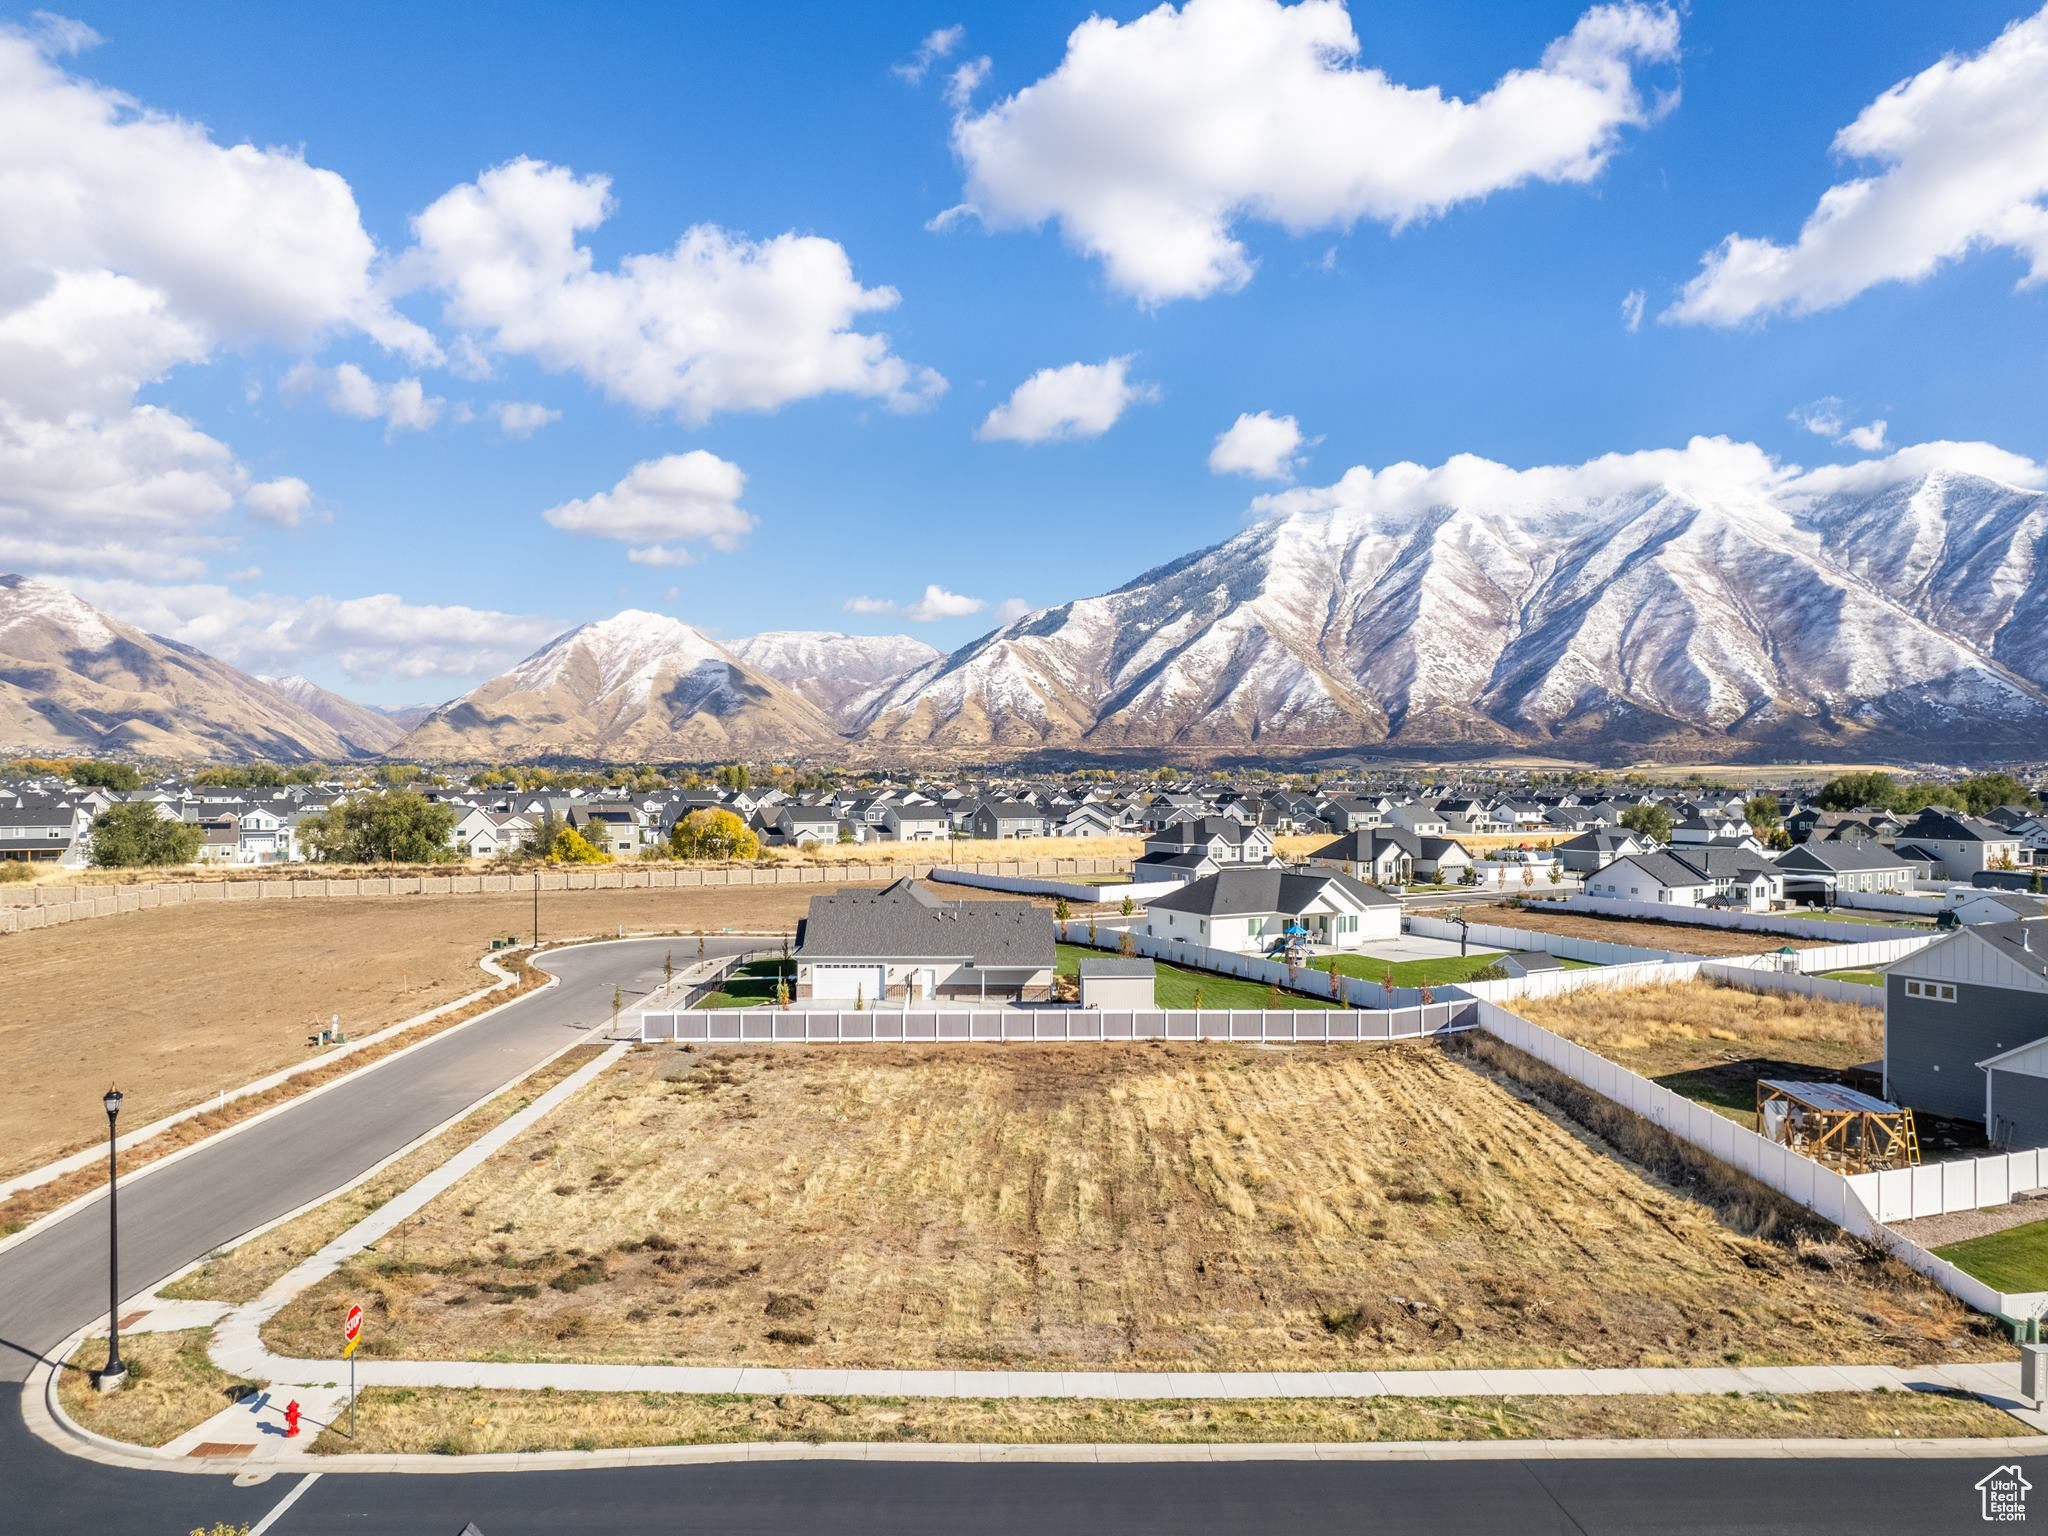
(1932, 991)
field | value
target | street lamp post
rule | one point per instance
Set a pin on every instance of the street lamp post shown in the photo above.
(114, 1372)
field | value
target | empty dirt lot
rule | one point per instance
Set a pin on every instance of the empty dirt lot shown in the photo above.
(1057, 1207)
(1680, 938)
(178, 1003)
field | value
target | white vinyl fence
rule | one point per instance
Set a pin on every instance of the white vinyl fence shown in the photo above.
(1752, 979)
(1967, 1184)
(1284, 1026)
(1708, 917)
(1861, 956)
(1926, 905)
(1355, 991)
(1641, 973)
(1854, 1203)
(1565, 947)
(1072, 890)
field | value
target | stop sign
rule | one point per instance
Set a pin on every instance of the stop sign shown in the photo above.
(354, 1324)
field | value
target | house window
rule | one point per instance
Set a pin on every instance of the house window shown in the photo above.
(1932, 991)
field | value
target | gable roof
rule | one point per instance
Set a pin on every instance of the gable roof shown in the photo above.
(909, 922)
(1240, 892)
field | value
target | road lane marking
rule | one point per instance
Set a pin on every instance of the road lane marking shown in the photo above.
(284, 1504)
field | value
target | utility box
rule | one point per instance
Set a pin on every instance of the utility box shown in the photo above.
(2034, 1373)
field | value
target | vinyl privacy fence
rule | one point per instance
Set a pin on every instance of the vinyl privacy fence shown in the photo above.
(1851, 1202)
(1707, 917)
(963, 1026)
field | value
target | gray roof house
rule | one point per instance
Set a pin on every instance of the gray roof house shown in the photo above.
(907, 943)
(1951, 1009)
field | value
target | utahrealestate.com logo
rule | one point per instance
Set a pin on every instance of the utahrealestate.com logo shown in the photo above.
(2004, 1492)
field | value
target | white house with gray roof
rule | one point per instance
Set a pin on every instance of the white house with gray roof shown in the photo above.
(906, 944)
(1252, 910)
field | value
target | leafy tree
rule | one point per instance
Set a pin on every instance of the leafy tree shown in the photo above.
(1650, 820)
(400, 828)
(571, 847)
(1985, 792)
(1846, 791)
(1060, 910)
(1127, 907)
(732, 776)
(1762, 813)
(134, 835)
(121, 776)
(396, 774)
(713, 835)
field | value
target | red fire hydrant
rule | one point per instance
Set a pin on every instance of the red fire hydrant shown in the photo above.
(291, 1418)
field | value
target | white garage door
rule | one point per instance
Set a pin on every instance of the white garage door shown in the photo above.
(844, 982)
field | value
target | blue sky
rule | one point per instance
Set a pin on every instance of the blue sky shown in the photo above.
(1495, 327)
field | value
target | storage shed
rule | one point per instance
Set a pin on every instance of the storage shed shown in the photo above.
(1116, 982)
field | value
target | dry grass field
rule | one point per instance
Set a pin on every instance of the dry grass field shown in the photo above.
(1680, 938)
(1713, 1042)
(178, 1003)
(244, 1272)
(1054, 1207)
(171, 1387)
(399, 1420)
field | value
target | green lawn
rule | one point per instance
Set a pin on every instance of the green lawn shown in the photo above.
(749, 984)
(1176, 985)
(2013, 1260)
(1441, 972)
(1861, 978)
(1838, 916)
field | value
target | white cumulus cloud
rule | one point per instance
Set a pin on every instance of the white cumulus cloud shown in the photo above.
(664, 503)
(1153, 140)
(378, 636)
(1058, 404)
(404, 404)
(282, 501)
(936, 45)
(523, 418)
(1262, 446)
(1828, 417)
(718, 323)
(1632, 310)
(1961, 157)
(936, 604)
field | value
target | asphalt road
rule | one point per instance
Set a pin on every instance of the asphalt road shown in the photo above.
(55, 1283)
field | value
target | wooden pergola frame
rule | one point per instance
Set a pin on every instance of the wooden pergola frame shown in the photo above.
(1851, 1140)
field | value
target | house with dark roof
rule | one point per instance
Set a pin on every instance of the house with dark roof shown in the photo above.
(907, 943)
(1957, 846)
(1958, 1011)
(1822, 869)
(1377, 857)
(1593, 850)
(1260, 910)
(1654, 877)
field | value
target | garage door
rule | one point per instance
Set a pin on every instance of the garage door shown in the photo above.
(843, 982)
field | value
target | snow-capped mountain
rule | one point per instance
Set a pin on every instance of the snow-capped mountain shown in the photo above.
(74, 679)
(369, 731)
(634, 687)
(836, 672)
(1786, 610)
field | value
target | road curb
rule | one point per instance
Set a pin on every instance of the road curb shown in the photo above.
(129, 1176)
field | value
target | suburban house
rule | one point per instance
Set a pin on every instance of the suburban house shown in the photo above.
(995, 819)
(916, 823)
(1254, 910)
(1187, 849)
(1658, 877)
(1824, 870)
(1957, 846)
(485, 834)
(1378, 858)
(1592, 851)
(1973, 904)
(906, 943)
(796, 825)
(1976, 995)
(42, 835)
(1087, 820)
(611, 825)
(1419, 817)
